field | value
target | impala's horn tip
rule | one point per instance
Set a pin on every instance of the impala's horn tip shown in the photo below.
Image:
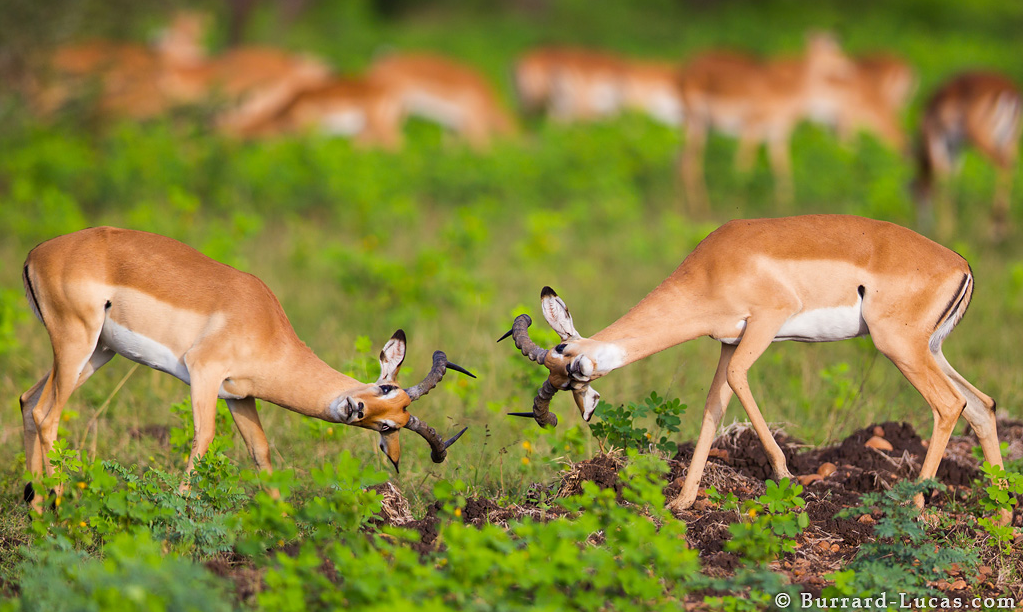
(522, 414)
(506, 334)
(458, 368)
(455, 437)
(547, 292)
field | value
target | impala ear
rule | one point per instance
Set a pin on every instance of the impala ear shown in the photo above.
(586, 399)
(557, 315)
(389, 444)
(391, 357)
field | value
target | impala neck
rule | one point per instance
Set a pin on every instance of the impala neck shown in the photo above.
(300, 381)
(671, 314)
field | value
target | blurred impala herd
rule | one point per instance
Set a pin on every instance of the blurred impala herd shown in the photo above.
(266, 92)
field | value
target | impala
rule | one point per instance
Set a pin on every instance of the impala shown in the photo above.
(572, 84)
(576, 84)
(446, 92)
(869, 97)
(360, 108)
(254, 82)
(123, 73)
(816, 278)
(106, 291)
(759, 102)
(982, 109)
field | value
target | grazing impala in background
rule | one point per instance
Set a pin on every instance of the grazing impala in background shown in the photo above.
(759, 102)
(570, 83)
(817, 278)
(359, 108)
(575, 84)
(870, 97)
(445, 92)
(982, 109)
(254, 82)
(106, 291)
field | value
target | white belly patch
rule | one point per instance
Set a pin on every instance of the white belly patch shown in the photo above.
(344, 123)
(148, 352)
(820, 325)
(448, 114)
(825, 325)
(141, 349)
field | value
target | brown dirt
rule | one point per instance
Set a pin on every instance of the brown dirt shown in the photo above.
(738, 465)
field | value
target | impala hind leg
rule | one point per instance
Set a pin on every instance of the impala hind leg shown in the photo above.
(781, 166)
(921, 367)
(75, 360)
(980, 414)
(247, 419)
(760, 332)
(29, 400)
(691, 168)
(717, 401)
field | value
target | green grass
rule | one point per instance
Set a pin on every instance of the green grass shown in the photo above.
(450, 244)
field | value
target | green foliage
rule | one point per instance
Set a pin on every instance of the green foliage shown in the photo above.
(135, 573)
(182, 433)
(617, 426)
(1000, 494)
(905, 557)
(766, 530)
(767, 524)
(101, 500)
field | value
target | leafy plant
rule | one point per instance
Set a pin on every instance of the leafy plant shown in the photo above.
(136, 573)
(904, 558)
(1000, 494)
(618, 427)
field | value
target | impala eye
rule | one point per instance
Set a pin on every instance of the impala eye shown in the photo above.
(386, 389)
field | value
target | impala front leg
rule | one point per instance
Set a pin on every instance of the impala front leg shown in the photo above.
(760, 332)
(204, 416)
(717, 401)
(247, 419)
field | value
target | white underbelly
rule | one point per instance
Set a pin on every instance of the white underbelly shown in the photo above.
(820, 325)
(141, 349)
(343, 123)
(148, 352)
(448, 114)
(665, 108)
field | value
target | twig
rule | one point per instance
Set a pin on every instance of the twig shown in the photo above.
(103, 407)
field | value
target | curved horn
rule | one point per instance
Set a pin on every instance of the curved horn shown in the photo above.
(542, 406)
(438, 445)
(440, 366)
(520, 335)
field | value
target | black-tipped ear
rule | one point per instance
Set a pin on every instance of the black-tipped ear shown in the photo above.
(557, 315)
(391, 357)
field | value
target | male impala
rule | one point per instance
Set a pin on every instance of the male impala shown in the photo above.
(106, 291)
(816, 278)
(446, 92)
(984, 110)
(758, 102)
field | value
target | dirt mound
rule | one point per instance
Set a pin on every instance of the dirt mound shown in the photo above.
(601, 470)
